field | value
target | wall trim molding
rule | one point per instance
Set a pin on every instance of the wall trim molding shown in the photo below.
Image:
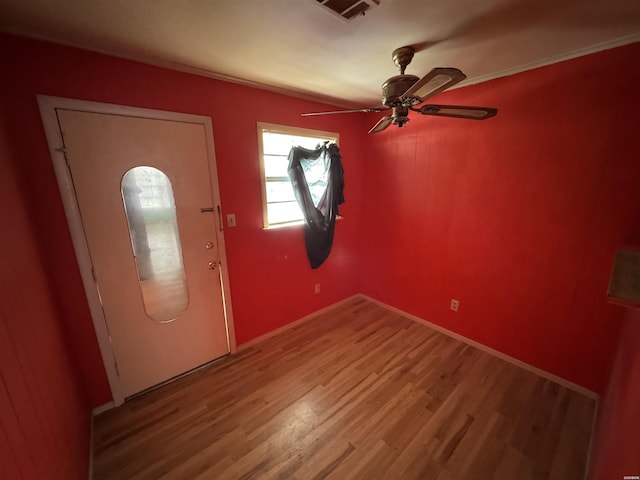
(295, 323)
(154, 61)
(496, 353)
(102, 408)
(307, 318)
(176, 66)
(581, 52)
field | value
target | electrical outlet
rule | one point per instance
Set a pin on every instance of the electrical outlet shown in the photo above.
(231, 220)
(454, 304)
(317, 288)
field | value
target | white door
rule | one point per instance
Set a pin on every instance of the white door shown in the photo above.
(143, 189)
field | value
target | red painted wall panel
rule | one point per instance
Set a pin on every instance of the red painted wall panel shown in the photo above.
(8, 464)
(517, 217)
(44, 415)
(617, 443)
(271, 281)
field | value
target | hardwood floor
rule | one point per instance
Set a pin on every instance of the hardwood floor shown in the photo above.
(358, 392)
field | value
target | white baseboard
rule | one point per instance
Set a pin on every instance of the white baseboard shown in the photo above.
(468, 341)
(293, 324)
(102, 408)
(519, 363)
(496, 353)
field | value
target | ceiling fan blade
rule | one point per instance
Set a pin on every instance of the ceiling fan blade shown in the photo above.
(459, 111)
(383, 123)
(434, 82)
(359, 110)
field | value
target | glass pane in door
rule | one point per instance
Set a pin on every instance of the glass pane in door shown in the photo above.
(153, 227)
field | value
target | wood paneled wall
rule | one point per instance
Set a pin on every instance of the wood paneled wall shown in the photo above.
(517, 217)
(616, 451)
(271, 282)
(44, 417)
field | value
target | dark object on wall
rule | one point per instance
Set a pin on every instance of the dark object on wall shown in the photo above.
(317, 178)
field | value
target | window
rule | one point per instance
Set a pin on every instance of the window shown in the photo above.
(153, 227)
(279, 203)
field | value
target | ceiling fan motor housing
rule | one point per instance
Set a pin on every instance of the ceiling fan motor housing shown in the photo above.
(394, 87)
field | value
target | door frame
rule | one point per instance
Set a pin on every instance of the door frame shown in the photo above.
(48, 106)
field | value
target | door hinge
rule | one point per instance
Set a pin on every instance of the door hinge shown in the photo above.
(115, 364)
(64, 152)
(93, 274)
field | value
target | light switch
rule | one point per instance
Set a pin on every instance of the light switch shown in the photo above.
(231, 219)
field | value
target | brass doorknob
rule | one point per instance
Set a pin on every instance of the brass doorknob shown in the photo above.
(212, 265)
(208, 245)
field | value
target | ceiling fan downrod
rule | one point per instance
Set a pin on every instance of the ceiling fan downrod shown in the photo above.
(402, 57)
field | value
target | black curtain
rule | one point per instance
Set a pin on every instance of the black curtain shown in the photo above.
(317, 177)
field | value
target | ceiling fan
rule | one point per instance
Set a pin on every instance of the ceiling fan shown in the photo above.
(405, 92)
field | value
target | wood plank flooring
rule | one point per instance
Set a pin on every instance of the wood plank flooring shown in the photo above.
(357, 393)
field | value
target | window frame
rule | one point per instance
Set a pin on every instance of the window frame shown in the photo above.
(264, 127)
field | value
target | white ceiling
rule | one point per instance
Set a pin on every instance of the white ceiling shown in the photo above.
(298, 47)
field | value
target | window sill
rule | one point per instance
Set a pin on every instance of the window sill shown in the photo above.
(280, 226)
(291, 224)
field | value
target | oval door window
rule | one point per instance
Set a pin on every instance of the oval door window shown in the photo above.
(153, 227)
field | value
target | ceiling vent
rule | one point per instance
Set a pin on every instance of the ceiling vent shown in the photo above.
(349, 9)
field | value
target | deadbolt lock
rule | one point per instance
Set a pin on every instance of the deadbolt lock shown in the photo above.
(208, 245)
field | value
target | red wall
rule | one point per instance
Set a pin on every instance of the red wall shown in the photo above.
(271, 281)
(44, 415)
(617, 443)
(517, 217)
